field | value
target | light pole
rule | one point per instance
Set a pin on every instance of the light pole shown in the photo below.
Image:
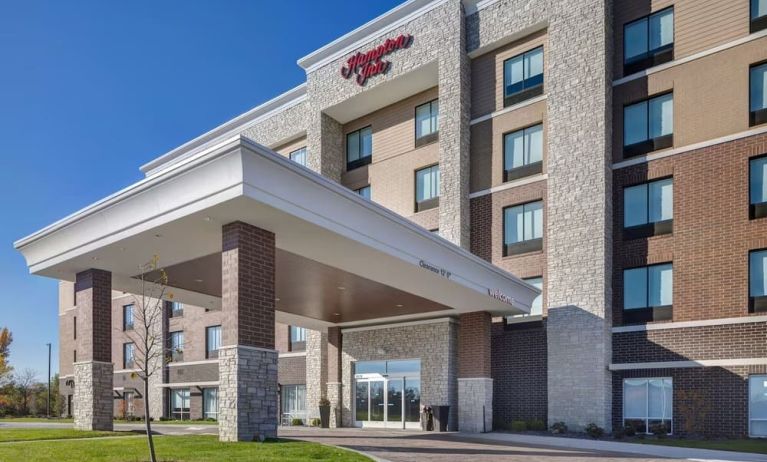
(49, 380)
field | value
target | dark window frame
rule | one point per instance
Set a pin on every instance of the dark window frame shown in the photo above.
(525, 170)
(176, 356)
(175, 313)
(126, 364)
(756, 23)
(756, 304)
(74, 327)
(526, 246)
(655, 228)
(290, 155)
(433, 135)
(296, 345)
(361, 161)
(126, 326)
(649, 144)
(759, 116)
(358, 191)
(212, 354)
(758, 210)
(528, 91)
(426, 204)
(648, 313)
(649, 58)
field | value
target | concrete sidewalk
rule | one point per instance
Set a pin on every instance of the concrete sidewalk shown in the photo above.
(619, 447)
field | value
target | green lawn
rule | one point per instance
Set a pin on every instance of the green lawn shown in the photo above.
(197, 448)
(29, 434)
(35, 419)
(758, 446)
(120, 421)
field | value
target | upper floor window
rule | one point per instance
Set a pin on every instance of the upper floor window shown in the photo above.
(523, 77)
(427, 188)
(758, 15)
(757, 263)
(523, 152)
(128, 317)
(128, 355)
(176, 309)
(758, 106)
(648, 293)
(426, 123)
(648, 209)
(299, 156)
(297, 337)
(176, 345)
(74, 327)
(758, 187)
(359, 148)
(364, 192)
(648, 405)
(212, 341)
(536, 309)
(648, 125)
(648, 41)
(523, 228)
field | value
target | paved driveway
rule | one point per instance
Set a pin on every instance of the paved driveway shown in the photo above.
(417, 446)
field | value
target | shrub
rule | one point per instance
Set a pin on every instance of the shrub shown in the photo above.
(315, 422)
(558, 428)
(518, 425)
(537, 425)
(660, 430)
(296, 422)
(594, 430)
(629, 430)
(619, 433)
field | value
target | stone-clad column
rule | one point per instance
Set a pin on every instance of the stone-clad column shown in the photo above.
(335, 390)
(316, 371)
(325, 145)
(93, 402)
(475, 385)
(247, 360)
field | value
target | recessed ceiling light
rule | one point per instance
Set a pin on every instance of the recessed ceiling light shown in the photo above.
(341, 288)
(276, 299)
(95, 258)
(122, 249)
(198, 280)
(336, 314)
(207, 218)
(398, 305)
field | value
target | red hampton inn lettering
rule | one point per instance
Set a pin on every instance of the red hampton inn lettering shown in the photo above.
(366, 65)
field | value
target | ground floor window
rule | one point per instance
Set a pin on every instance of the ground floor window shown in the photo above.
(757, 405)
(293, 403)
(179, 404)
(210, 403)
(648, 404)
(130, 409)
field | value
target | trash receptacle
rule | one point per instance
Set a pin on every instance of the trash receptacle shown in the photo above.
(441, 415)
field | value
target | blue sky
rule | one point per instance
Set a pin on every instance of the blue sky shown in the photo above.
(90, 90)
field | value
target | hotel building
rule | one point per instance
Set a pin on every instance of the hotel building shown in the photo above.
(376, 235)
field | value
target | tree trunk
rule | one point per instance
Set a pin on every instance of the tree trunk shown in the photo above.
(152, 457)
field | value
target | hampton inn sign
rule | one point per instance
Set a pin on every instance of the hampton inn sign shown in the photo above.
(366, 65)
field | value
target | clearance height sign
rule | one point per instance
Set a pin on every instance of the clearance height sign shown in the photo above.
(371, 63)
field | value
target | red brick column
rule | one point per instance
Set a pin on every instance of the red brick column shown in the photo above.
(475, 385)
(335, 388)
(93, 370)
(247, 360)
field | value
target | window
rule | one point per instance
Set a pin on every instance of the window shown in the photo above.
(648, 404)
(648, 209)
(648, 293)
(74, 327)
(758, 15)
(130, 408)
(757, 406)
(523, 228)
(297, 336)
(426, 123)
(179, 404)
(758, 187)
(523, 77)
(757, 263)
(176, 345)
(293, 403)
(427, 188)
(359, 148)
(212, 341)
(537, 307)
(128, 355)
(648, 125)
(74, 356)
(758, 106)
(364, 192)
(128, 317)
(299, 156)
(523, 152)
(648, 41)
(210, 403)
(176, 309)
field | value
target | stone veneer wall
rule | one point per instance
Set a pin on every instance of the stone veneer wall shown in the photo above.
(579, 228)
(434, 343)
(93, 402)
(316, 371)
(280, 127)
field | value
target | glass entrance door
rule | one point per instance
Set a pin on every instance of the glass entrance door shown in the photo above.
(387, 395)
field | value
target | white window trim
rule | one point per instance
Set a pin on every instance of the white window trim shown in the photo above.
(647, 411)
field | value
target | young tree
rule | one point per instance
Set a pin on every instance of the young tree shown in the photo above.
(150, 351)
(5, 351)
(25, 382)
